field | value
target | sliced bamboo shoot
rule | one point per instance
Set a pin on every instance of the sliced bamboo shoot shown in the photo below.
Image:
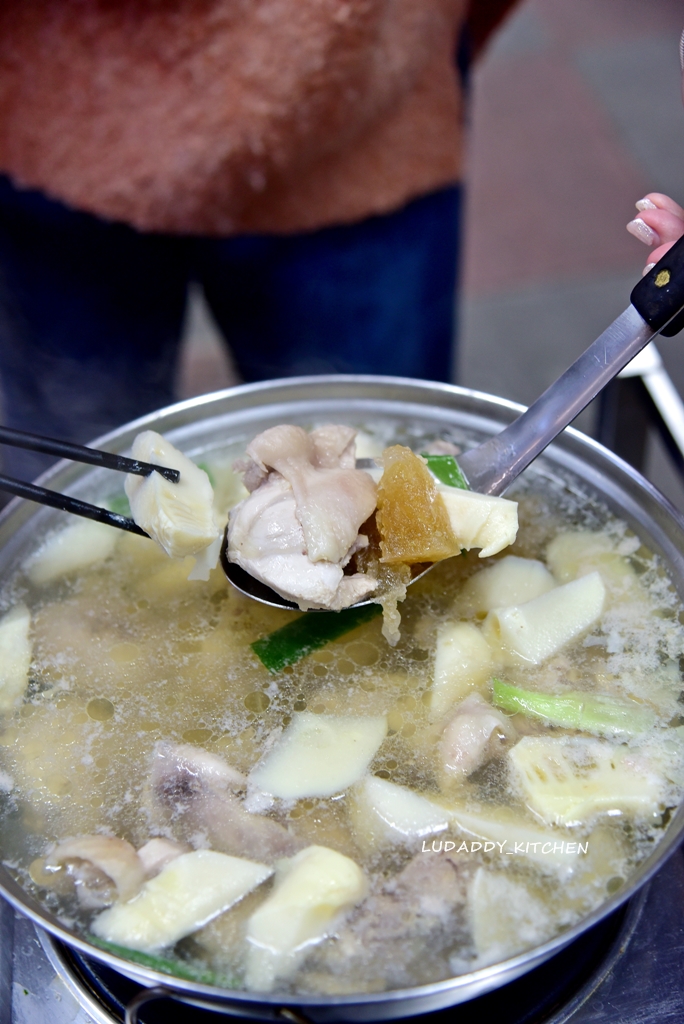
(463, 662)
(533, 631)
(505, 917)
(568, 779)
(550, 849)
(510, 581)
(480, 520)
(383, 813)
(319, 755)
(79, 545)
(311, 891)
(180, 517)
(186, 894)
(15, 656)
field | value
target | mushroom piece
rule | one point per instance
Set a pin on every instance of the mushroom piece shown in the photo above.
(102, 868)
(199, 792)
(475, 734)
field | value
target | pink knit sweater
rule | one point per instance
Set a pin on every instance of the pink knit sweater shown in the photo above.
(223, 116)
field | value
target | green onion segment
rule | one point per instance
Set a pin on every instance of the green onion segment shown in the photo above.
(447, 471)
(309, 633)
(599, 713)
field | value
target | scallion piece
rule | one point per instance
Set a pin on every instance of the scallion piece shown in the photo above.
(177, 968)
(599, 713)
(119, 503)
(447, 471)
(309, 633)
(205, 467)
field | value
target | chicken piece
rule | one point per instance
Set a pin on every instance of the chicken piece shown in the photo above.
(267, 540)
(199, 792)
(475, 734)
(332, 500)
(157, 853)
(102, 868)
(300, 525)
(385, 941)
(334, 446)
(199, 763)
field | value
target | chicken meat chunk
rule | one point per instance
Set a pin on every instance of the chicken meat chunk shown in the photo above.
(299, 527)
(200, 795)
(475, 733)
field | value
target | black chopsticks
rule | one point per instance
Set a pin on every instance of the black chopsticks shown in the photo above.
(77, 453)
(66, 503)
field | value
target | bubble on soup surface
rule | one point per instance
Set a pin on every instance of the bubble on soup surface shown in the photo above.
(100, 709)
(257, 701)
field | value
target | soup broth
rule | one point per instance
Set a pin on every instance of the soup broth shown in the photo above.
(128, 655)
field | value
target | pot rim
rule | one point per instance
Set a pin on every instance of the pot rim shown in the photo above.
(175, 416)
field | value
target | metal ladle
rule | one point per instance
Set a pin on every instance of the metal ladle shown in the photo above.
(656, 307)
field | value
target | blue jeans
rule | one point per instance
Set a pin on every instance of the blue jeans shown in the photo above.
(91, 312)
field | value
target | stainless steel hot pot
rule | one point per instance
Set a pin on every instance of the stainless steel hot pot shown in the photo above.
(233, 417)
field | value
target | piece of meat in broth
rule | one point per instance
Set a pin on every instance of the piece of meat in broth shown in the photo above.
(300, 525)
(475, 734)
(200, 794)
(102, 868)
(158, 852)
(405, 929)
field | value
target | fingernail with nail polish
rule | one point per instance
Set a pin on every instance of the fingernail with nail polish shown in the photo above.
(641, 230)
(649, 266)
(645, 204)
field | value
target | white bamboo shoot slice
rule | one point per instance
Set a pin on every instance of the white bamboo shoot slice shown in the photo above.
(574, 553)
(311, 891)
(180, 517)
(187, 893)
(319, 755)
(533, 631)
(511, 581)
(76, 547)
(382, 812)
(505, 918)
(15, 656)
(481, 520)
(569, 779)
(550, 849)
(463, 662)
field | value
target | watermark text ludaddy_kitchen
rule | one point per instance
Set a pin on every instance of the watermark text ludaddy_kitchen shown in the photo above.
(507, 847)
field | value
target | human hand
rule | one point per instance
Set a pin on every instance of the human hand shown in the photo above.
(660, 223)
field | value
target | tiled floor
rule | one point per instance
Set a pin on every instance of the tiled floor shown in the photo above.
(576, 113)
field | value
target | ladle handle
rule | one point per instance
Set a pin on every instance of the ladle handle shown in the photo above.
(659, 295)
(657, 306)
